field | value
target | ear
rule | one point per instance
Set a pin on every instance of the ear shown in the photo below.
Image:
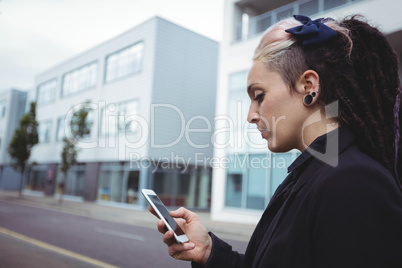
(310, 81)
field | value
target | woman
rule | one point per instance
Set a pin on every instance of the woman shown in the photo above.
(335, 87)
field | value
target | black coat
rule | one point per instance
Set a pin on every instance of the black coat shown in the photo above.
(349, 215)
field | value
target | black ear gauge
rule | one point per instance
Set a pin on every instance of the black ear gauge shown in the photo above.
(308, 99)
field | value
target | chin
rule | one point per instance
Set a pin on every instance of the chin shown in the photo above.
(278, 148)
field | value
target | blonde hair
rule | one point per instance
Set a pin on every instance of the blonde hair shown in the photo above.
(278, 51)
(358, 68)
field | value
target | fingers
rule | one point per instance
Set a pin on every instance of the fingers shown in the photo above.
(168, 238)
(186, 214)
(162, 227)
(176, 250)
(150, 208)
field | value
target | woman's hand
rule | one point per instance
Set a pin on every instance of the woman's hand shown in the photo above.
(199, 246)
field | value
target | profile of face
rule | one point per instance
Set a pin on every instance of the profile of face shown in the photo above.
(276, 109)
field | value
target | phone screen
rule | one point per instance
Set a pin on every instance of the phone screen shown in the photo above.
(165, 213)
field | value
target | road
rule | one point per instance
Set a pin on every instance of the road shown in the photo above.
(37, 237)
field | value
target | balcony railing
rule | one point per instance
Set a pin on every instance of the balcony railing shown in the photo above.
(250, 27)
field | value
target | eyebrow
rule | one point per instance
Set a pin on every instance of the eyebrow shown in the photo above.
(250, 86)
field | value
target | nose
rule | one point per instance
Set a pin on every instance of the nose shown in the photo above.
(253, 116)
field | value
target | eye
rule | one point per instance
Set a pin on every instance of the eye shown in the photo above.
(259, 97)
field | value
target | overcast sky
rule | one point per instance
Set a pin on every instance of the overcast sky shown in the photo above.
(37, 34)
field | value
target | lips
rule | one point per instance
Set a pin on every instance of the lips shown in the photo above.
(262, 132)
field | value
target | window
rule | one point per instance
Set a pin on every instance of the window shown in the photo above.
(238, 81)
(3, 104)
(329, 4)
(89, 119)
(79, 79)
(44, 131)
(118, 183)
(124, 62)
(252, 179)
(74, 185)
(125, 110)
(36, 178)
(262, 21)
(309, 8)
(60, 129)
(46, 91)
(116, 117)
(234, 186)
(238, 105)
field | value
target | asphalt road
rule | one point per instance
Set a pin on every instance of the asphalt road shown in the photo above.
(36, 237)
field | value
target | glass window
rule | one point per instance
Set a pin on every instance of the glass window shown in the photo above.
(125, 110)
(79, 79)
(234, 182)
(253, 178)
(118, 118)
(309, 8)
(89, 119)
(256, 183)
(163, 186)
(238, 105)
(46, 91)
(60, 129)
(234, 189)
(177, 188)
(124, 62)
(133, 182)
(111, 185)
(3, 104)
(44, 129)
(36, 178)
(238, 81)
(329, 4)
(261, 23)
(104, 185)
(75, 181)
(284, 14)
(118, 184)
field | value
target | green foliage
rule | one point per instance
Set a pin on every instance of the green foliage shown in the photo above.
(80, 127)
(25, 137)
(68, 156)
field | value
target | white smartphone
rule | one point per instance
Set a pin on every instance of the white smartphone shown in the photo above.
(164, 215)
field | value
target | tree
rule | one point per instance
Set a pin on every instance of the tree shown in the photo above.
(80, 127)
(25, 137)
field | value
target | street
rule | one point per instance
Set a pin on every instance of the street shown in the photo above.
(37, 237)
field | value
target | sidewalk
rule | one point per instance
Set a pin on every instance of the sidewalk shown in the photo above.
(130, 216)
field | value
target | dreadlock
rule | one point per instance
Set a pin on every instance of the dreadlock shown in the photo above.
(365, 82)
(359, 69)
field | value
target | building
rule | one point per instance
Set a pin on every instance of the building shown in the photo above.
(242, 188)
(152, 105)
(12, 107)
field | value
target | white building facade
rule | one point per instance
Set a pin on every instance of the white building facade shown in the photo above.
(152, 101)
(12, 107)
(243, 186)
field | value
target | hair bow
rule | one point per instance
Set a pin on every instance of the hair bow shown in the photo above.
(312, 31)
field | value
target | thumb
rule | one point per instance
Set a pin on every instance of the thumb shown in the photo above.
(186, 214)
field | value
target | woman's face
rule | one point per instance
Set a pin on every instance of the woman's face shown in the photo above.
(278, 112)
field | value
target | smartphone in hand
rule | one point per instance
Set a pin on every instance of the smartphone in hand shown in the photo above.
(164, 215)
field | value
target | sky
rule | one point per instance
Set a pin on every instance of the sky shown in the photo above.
(38, 34)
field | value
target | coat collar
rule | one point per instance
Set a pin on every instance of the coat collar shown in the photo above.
(340, 139)
(326, 148)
